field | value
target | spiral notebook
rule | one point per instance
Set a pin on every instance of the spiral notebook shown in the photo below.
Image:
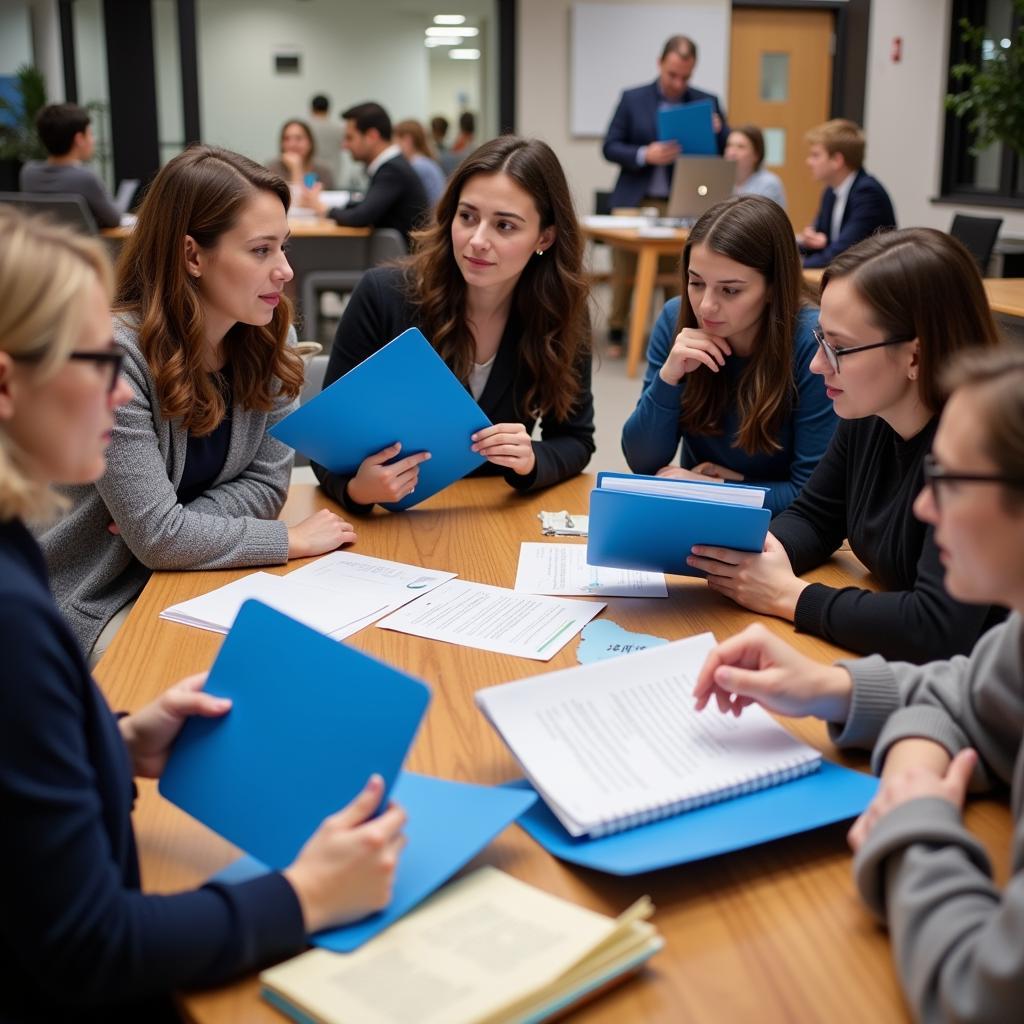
(616, 744)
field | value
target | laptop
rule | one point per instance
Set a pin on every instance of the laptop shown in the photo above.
(698, 182)
(125, 194)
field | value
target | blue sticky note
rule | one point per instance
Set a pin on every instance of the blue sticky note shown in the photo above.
(603, 639)
(311, 720)
(403, 392)
(449, 823)
(832, 794)
(689, 125)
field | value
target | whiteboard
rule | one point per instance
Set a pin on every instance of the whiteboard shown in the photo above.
(616, 46)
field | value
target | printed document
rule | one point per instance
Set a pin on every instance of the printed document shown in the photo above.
(563, 569)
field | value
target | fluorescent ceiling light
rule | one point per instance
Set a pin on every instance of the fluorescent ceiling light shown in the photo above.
(464, 54)
(464, 30)
(449, 19)
(442, 41)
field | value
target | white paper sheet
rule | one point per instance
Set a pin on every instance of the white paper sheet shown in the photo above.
(494, 619)
(562, 569)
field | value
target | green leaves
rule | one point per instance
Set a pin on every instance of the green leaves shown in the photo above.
(18, 139)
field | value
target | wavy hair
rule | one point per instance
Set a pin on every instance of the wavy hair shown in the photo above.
(755, 232)
(46, 274)
(550, 296)
(200, 193)
(920, 283)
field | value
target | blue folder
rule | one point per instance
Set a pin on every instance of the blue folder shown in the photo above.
(690, 126)
(311, 720)
(403, 392)
(449, 823)
(630, 530)
(826, 796)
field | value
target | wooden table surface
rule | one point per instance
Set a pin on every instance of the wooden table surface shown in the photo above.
(772, 934)
(300, 227)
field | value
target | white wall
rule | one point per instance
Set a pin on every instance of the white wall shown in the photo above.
(449, 81)
(542, 91)
(15, 36)
(904, 113)
(46, 44)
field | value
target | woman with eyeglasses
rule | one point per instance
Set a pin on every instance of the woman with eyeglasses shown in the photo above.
(939, 729)
(894, 310)
(727, 365)
(79, 941)
(194, 480)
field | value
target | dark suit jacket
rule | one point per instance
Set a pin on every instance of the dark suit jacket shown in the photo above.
(380, 310)
(395, 199)
(868, 209)
(635, 124)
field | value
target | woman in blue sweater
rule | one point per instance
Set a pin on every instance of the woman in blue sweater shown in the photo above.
(728, 362)
(79, 940)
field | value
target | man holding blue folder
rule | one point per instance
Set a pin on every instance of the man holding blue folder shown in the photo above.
(645, 175)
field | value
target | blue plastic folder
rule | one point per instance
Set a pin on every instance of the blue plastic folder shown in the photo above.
(690, 126)
(449, 823)
(828, 795)
(311, 720)
(632, 530)
(403, 392)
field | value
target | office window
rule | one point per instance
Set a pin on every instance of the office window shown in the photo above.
(775, 77)
(996, 174)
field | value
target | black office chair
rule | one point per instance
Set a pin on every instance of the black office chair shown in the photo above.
(978, 234)
(65, 207)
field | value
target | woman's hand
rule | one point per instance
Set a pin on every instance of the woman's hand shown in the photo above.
(693, 348)
(295, 165)
(678, 473)
(380, 480)
(149, 734)
(912, 781)
(763, 582)
(757, 667)
(507, 445)
(717, 472)
(319, 533)
(347, 868)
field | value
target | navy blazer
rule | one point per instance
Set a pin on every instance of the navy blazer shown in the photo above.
(79, 941)
(395, 199)
(635, 124)
(868, 209)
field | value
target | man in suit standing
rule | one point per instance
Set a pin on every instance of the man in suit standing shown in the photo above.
(645, 175)
(853, 205)
(395, 197)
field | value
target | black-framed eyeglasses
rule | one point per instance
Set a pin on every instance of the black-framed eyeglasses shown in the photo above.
(935, 474)
(833, 352)
(111, 358)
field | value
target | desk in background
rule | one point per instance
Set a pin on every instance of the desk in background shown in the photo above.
(774, 934)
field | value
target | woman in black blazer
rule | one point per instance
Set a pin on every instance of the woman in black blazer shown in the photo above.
(496, 284)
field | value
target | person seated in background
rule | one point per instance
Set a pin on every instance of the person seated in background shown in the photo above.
(80, 940)
(413, 141)
(439, 133)
(895, 309)
(328, 134)
(193, 480)
(939, 729)
(65, 129)
(745, 148)
(854, 205)
(395, 197)
(464, 144)
(728, 364)
(496, 284)
(297, 162)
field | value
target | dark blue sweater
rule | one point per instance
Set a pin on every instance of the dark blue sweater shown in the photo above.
(78, 939)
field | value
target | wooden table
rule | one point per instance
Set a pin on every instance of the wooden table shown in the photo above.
(300, 227)
(772, 934)
(647, 248)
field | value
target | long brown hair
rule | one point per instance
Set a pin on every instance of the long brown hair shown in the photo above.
(920, 283)
(308, 161)
(200, 193)
(755, 232)
(550, 295)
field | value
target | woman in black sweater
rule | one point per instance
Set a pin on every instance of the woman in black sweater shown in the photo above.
(496, 285)
(894, 309)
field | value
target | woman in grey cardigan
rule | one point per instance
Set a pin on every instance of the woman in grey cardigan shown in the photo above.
(194, 481)
(937, 729)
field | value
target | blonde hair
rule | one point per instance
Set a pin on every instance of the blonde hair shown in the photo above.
(46, 273)
(840, 136)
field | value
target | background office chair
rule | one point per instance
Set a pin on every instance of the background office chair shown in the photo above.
(65, 207)
(978, 234)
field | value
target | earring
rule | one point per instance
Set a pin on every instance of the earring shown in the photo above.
(913, 374)
(540, 252)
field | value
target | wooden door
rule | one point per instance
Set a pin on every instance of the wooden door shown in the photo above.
(781, 80)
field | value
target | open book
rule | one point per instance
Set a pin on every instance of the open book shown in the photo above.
(488, 948)
(615, 744)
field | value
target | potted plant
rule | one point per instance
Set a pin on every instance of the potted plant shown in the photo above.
(18, 139)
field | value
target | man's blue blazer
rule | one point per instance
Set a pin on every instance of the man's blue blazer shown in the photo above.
(868, 209)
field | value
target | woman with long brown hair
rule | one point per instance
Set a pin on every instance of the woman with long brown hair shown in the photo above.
(728, 362)
(895, 309)
(194, 481)
(496, 284)
(297, 162)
